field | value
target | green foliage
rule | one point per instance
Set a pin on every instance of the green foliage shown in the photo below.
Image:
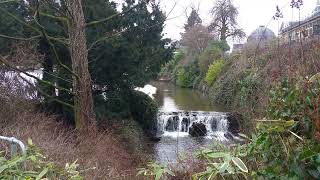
(133, 104)
(281, 148)
(225, 90)
(11, 27)
(186, 75)
(223, 45)
(119, 62)
(134, 57)
(249, 85)
(112, 105)
(211, 54)
(196, 81)
(274, 152)
(281, 153)
(183, 78)
(285, 101)
(213, 71)
(296, 100)
(129, 60)
(144, 110)
(190, 73)
(168, 69)
(178, 57)
(193, 19)
(34, 165)
(155, 170)
(222, 163)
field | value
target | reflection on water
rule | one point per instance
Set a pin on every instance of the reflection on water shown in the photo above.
(174, 144)
(172, 98)
(168, 105)
(169, 149)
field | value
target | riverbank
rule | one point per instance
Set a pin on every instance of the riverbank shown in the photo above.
(277, 91)
(114, 152)
(244, 82)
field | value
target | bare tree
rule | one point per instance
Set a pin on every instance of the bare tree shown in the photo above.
(225, 20)
(196, 39)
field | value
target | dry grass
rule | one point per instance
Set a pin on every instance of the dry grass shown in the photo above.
(287, 61)
(104, 154)
(60, 144)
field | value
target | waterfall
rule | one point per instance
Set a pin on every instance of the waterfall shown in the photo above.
(177, 124)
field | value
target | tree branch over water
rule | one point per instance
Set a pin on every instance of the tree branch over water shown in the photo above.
(4, 61)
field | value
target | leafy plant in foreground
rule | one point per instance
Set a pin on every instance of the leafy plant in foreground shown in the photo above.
(276, 152)
(298, 100)
(33, 165)
(222, 163)
(155, 170)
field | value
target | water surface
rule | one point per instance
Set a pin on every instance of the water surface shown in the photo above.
(175, 144)
(173, 98)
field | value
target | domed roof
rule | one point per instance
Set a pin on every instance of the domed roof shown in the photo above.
(317, 9)
(261, 34)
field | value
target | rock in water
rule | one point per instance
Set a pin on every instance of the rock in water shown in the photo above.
(198, 129)
(234, 120)
(155, 139)
(185, 124)
(172, 124)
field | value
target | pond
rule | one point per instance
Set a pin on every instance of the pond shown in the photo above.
(179, 108)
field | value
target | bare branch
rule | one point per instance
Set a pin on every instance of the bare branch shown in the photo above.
(53, 17)
(3, 60)
(19, 38)
(47, 38)
(45, 94)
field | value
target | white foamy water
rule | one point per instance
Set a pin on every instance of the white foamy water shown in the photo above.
(148, 89)
(178, 124)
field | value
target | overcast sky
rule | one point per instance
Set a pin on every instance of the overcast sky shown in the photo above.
(252, 13)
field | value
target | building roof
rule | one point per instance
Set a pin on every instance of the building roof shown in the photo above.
(317, 9)
(262, 33)
(294, 24)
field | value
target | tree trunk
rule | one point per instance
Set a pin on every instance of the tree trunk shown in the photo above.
(223, 32)
(82, 87)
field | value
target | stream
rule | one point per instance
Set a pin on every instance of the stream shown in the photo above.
(179, 108)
